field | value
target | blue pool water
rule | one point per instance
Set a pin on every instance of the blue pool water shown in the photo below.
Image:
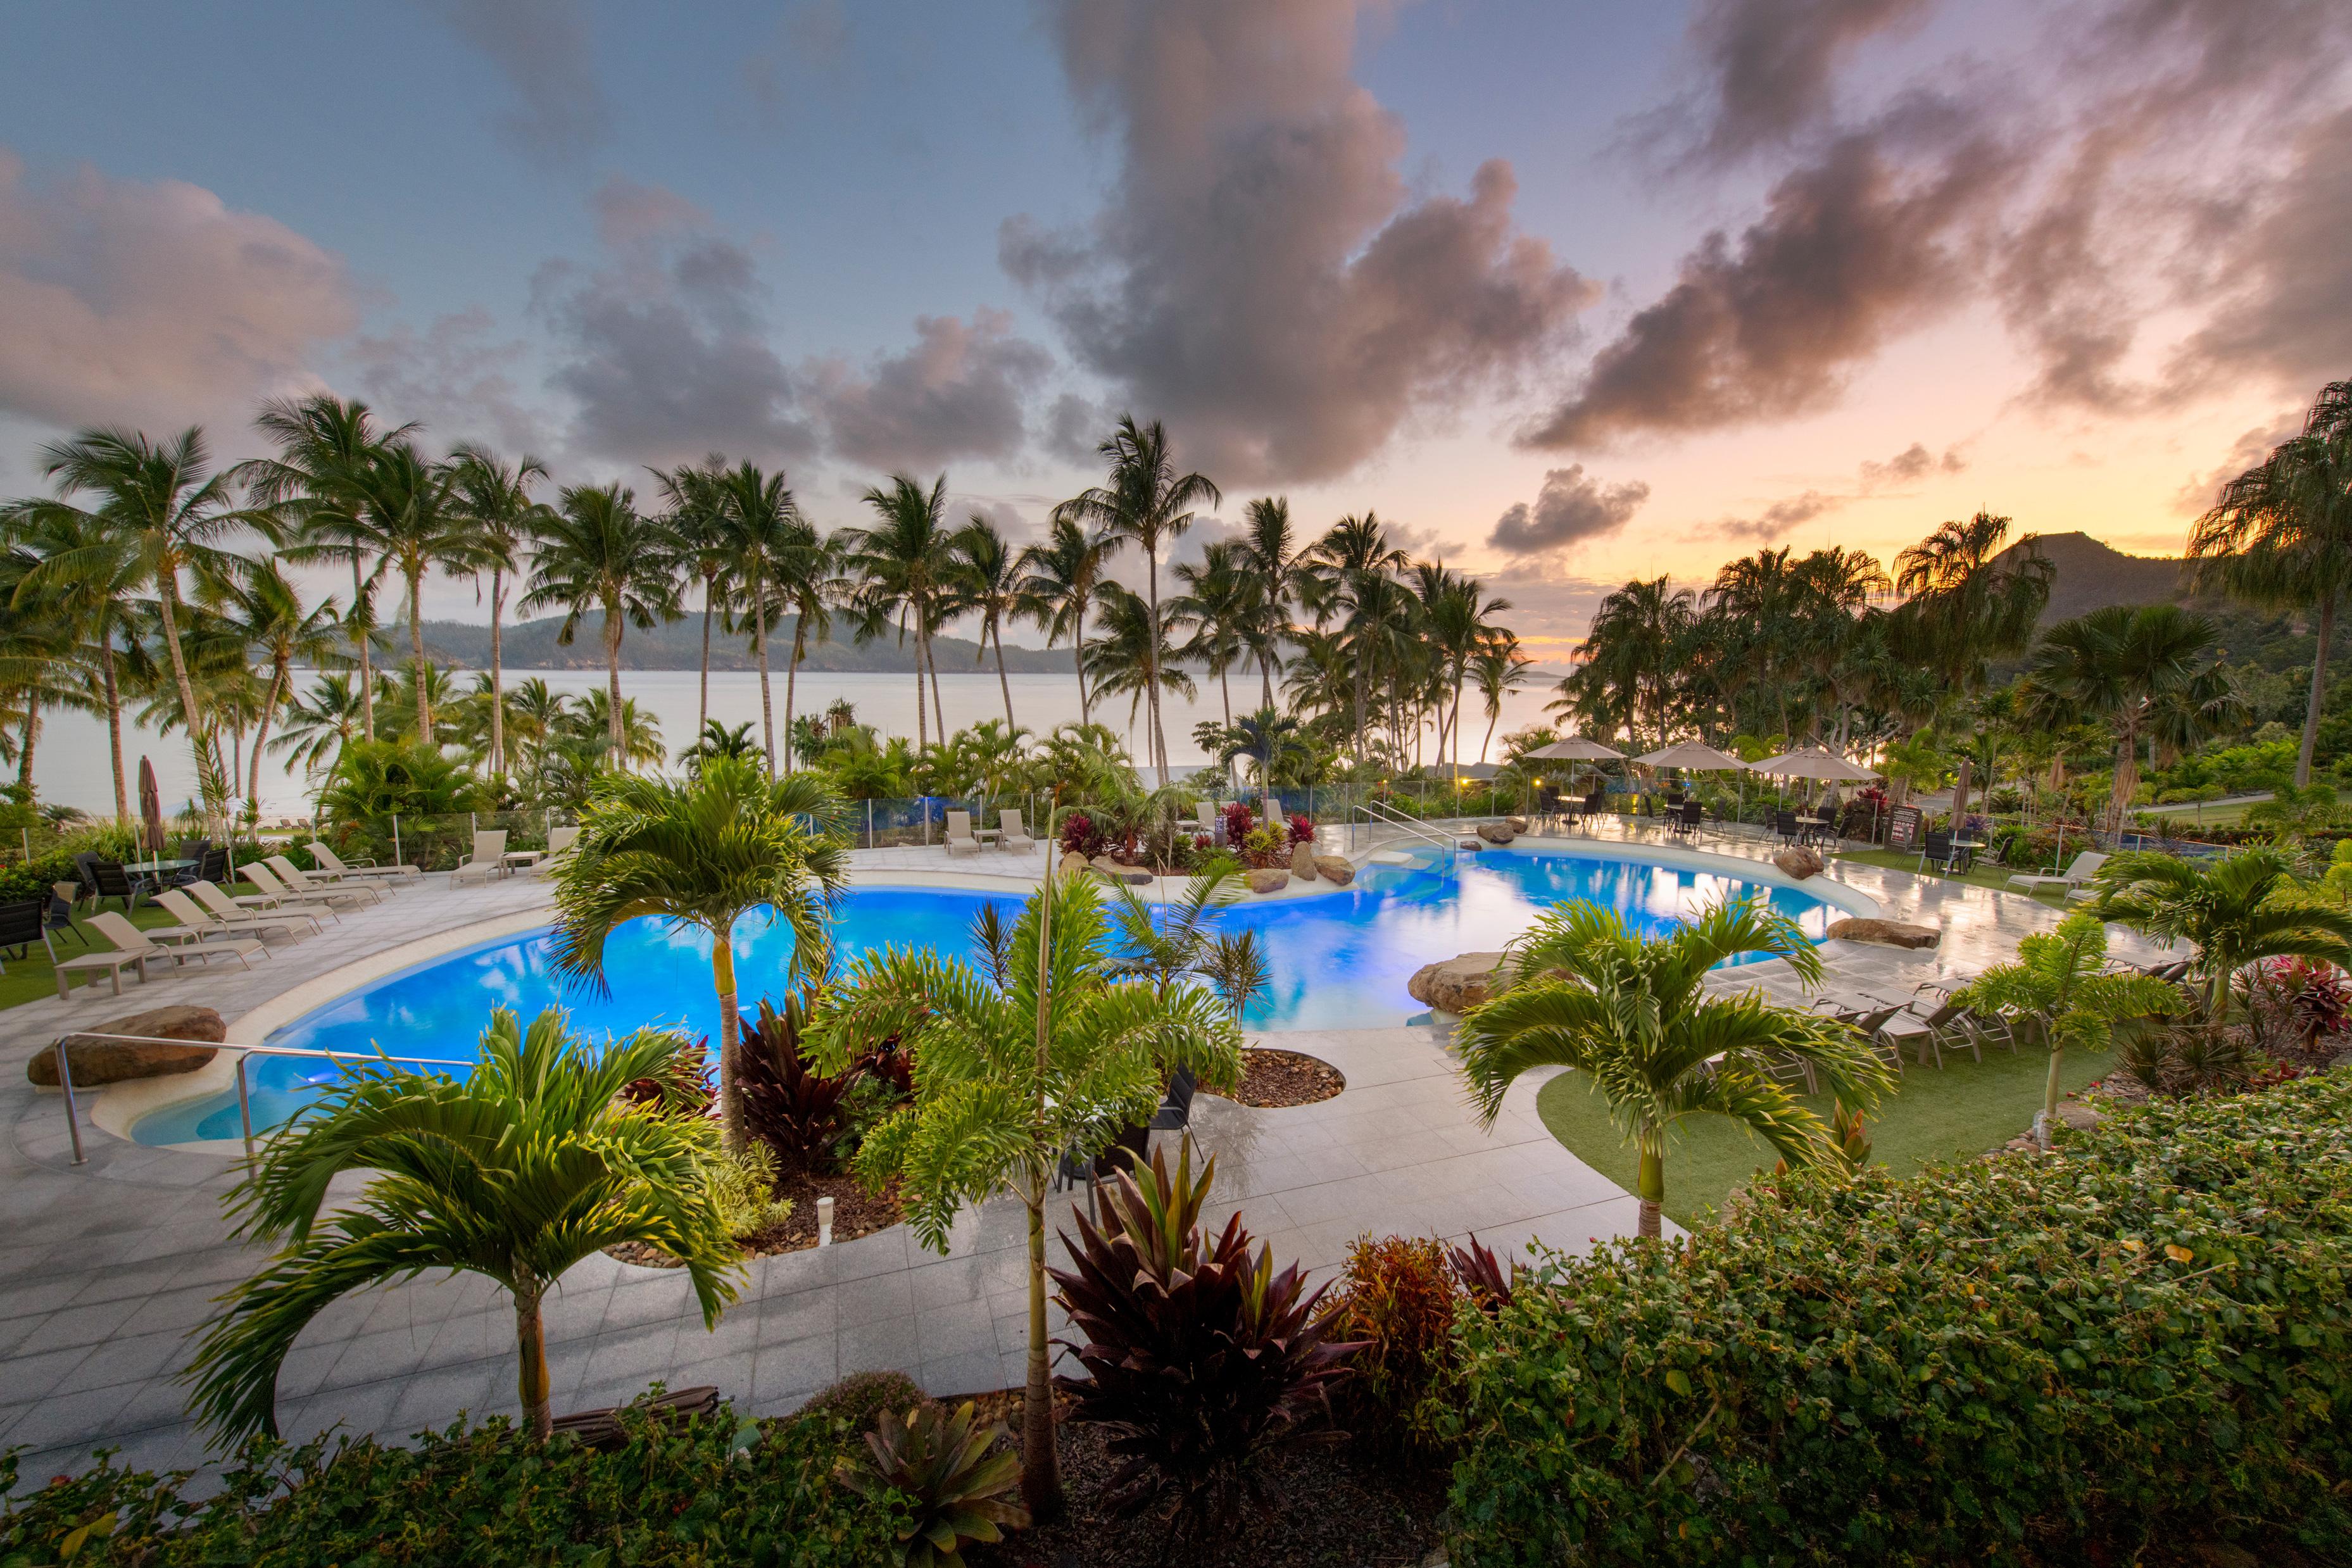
(1339, 960)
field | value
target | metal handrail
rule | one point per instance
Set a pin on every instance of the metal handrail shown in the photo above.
(1389, 817)
(243, 1096)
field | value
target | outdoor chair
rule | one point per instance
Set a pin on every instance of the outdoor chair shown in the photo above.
(195, 917)
(1208, 819)
(228, 910)
(333, 867)
(1787, 1067)
(601, 1429)
(1784, 824)
(107, 879)
(488, 859)
(1692, 812)
(1945, 1023)
(118, 930)
(216, 867)
(961, 839)
(560, 843)
(1012, 833)
(275, 894)
(21, 926)
(190, 850)
(1936, 850)
(300, 881)
(2078, 874)
(1596, 804)
(135, 954)
(1175, 1113)
(58, 917)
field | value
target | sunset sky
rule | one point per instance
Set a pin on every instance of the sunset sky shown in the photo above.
(1566, 292)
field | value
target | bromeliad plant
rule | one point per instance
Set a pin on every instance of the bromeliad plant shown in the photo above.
(1200, 1357)
(956, 1480)
(531, 1163)
(1588, 992)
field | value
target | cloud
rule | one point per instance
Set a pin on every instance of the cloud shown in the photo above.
(1074, 426)
(1261, 279)
(1550, 604)
(956, 393)
(1571, 508)
(1910, 465)
(454, 378)
(543, 50)
(153, 303)
(2201, 491)
(1771, 64)
(1782, 517)
(663, 350)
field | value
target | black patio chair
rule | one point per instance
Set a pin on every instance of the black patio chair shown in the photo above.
(21, 926)
(1692, 812)
(58, 916)
(1597, 803)
(1175, 1113)
(1784, 824)
(190, 850)
(214, 868)
(1936, 850)
(113, 881)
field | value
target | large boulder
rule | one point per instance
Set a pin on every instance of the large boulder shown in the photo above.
(1497, 832)
(1073, 863)
(1118, 873)
(1268, 879)
(191, 1033)
(1517, 824)
(1302, 863)
(1798, 862)
(1885, 933)
(1457, 985)
(1337, 870)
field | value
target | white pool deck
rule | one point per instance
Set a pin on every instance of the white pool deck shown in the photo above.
(106, 1268)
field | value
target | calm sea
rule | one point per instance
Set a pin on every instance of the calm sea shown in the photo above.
(70, 766)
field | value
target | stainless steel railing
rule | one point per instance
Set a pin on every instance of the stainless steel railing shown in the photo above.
(1376, 814)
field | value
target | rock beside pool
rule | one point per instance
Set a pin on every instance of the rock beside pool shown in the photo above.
(1457, 985)
(1517, 824)
(1336, 870)
(1118, 873)
(1798, 862)
(179, 1039)
(1270, 879)
(1302, 864)
(1497, 832)
(1472, 845)
(1887, 933)
(1073, 864)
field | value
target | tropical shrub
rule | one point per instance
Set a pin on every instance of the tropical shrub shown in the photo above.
(375, 781)
(787, 1108)
(955, 1481)
(1302, 828)
(2046, 1360)
(861, 1397)
(1199, 1356)
(1487, 1283)
(1399, 1298)
(1081, 836)
(697, 1493)
(744, 1186)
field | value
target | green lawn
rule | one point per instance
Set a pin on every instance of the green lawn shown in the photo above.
(29, 978)
(1984, 874)
(1965, 1109)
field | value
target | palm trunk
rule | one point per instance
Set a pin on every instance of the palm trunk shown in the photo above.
(2325, 630)
(359, 635)
(1266, 677)
(2126, 781)
(25, 746)
(531, 1371)
(1041, 1464)
(1363, 719)
(1225, 695)
(115, 727)
(168, 603)
(1652, 1181)
(1078, 659)
(2050, 1090)
(497, 675)
(939, 709)
(1151, 664)
(922, 717)
(612, 688)
(279, 678)
(730, 1041)
(702, 713)
(417, 654)
(791, 682)
(1003, 682)
(1492, 719)
(760, 644)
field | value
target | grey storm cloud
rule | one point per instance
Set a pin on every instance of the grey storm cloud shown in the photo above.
(1262, 279)
(2189, 155)
(1572, 507)
(543, 50)
(457, 378)
(956, 393)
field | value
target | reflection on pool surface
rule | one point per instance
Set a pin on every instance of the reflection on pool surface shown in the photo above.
(1339, 960)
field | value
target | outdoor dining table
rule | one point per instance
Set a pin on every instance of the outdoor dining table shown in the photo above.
(1813, 825)
(159, 868)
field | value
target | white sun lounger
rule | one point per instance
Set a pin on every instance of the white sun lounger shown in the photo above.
(117, 929)
(136, 954)
(332, 868)
(275, 893)
(961, 839)
(200, 922)
(2085, 866)
(295, 877)
(234, 909)
(488, 859)
(1012, 833)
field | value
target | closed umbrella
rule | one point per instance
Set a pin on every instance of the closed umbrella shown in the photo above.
(151, 808)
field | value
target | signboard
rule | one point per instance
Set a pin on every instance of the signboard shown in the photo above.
(1902, 828)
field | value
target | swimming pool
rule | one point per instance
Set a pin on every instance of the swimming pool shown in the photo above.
(1339, 960)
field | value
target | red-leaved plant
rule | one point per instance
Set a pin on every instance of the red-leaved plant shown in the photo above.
(1302, 828)
(1199, 1356)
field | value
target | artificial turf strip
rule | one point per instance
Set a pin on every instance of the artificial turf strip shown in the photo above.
(1965, 1109)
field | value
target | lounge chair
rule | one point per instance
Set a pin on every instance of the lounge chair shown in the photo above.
(1924, 1033)
(332, 867)
(1209, 821)
(231, 910)
(560, 843)
(961, 839)
(1011, 832)
(300, 881)
(195, 918)
(2079, 874)
(135, 954)
(118, 930)
(276, 894)
(488, 859)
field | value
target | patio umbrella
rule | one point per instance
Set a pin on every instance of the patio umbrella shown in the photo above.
(1812, 762)
(1576, 749)
(151, 808)
(1694, 756)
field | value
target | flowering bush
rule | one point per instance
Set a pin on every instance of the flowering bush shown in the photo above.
(1238, 823)
(1302, 828)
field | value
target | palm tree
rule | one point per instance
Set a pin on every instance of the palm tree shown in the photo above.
(1284, 577)
(906, 571)
(2235, 912)
(1219, 602)
(410, 513)
(1353, 565)
(1630, 655)
(492, 498)
(1459, 615)
(1588, 992)
(706, 853)
(599, 553)
(807, 568)
(763, 533)
(100, 598)
(717, 740)
(2133, 668)
(1015, 1078)
(1145, 500)
(1970, 597)
(528, 1164)
(2059, 979)
(988, 582)
(591, 721)
(1123, 657)
(1500, 669)
(1063, 573)
(1266, 737)
(268, 614)
(320, 725)
(325, 447)
(163, 502)
(2282, 535)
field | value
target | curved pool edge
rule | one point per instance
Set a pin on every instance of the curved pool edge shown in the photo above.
(1757, 868)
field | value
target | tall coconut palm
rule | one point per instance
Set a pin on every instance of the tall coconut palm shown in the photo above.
(411, 512)
(1146, 501)
(320, 723)
(698, 522)
(1016, 1077)
(99, 599)
(1971, 597)
(1633, 1015)
(599, 552)
(493, 498)
(2282, 535)
(1353, 566)
(529, 1164)
(1284, 578)
(988, 583)
(163, 501)
(706, 853)
(1460, 617)
(1123, 657)
(1499, 668)
(2133, 668)
(762, 530)
(325, 447)
(808, 583)
(1221, 602)
(1628, 661)
(905, 566)
(1063, 573)
(268, 615)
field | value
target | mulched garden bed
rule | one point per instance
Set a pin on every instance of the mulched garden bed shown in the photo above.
(1331, 1508)
(1271, 1077)
(855, 1212)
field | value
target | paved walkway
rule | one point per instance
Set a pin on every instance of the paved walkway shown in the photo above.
(106, 1268)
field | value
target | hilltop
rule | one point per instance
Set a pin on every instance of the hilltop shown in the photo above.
(2092, 575)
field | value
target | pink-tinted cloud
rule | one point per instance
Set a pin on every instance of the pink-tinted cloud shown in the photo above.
(958, 391)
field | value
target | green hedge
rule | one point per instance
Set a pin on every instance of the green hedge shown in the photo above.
(2004, 1361)
(707, 1493)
